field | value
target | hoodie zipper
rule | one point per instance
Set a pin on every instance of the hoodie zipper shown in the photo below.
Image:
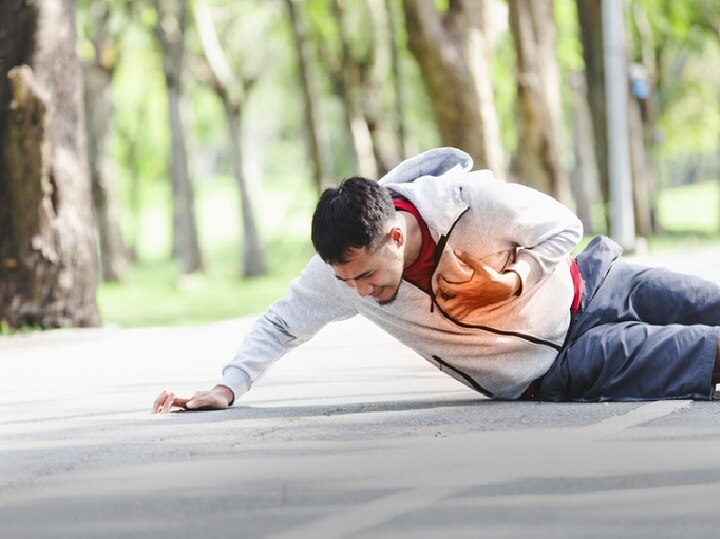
(468, 379)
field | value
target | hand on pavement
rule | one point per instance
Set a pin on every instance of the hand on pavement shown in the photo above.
(485, 287)
(218, 398)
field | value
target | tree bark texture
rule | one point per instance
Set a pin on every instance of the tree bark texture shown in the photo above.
(170, 31)
(97, 76)
(591, 34)
(452, 52)
(47, 244)
(538, 90)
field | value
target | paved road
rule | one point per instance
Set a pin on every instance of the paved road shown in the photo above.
(350, 436)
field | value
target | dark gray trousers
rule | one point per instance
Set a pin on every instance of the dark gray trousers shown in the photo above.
(640, 334)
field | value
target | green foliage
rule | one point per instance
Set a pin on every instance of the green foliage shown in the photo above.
(256, 38)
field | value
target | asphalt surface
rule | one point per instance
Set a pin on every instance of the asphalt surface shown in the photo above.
(351, 435)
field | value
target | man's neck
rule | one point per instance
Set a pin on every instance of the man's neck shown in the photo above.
(413, 238)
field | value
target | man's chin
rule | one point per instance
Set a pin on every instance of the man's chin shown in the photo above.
(389, 300)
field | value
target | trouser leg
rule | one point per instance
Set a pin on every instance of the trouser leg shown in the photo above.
(655, 296)
(641, 334)
(634, 361)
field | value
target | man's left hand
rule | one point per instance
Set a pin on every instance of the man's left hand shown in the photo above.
(485, 287)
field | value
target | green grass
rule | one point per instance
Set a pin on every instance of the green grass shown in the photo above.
(153, 294)
(691, 208)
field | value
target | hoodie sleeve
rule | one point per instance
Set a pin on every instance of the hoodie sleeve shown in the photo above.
(543, 230)
(312, 301)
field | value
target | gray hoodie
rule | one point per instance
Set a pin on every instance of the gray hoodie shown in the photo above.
(497, 350)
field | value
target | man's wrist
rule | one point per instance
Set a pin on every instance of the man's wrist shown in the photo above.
(226, 392)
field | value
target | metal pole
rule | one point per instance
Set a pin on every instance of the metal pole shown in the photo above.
(622, 220)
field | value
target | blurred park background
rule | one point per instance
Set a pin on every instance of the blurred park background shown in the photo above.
(160, 159)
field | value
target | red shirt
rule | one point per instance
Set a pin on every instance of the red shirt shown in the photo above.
(420, 271)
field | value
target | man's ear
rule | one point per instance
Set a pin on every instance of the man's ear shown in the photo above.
(397, 236)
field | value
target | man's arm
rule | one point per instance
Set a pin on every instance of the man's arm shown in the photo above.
(543, 231)
(313, 300)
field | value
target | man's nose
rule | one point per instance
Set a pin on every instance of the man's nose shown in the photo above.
(363, 288)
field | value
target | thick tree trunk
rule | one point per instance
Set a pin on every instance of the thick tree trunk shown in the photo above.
(97, 75)
(453, 56)
(170, 30)
(310, 97)
(47, 245)
(538, 90)
(591, 33)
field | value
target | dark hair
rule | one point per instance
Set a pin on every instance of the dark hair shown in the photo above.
(350, 216)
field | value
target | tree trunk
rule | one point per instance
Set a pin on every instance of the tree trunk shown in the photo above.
(310, 96)
(352, 88)
(538, 91)
(591, 33)
(98, 75)
(647, 109)
(398, 82)
(642, 195)
(232, 93)
(452, 52)
(170, 30)
(253, 253)
(47, 245)
(584, 176)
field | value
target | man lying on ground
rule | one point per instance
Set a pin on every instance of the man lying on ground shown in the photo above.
(476, 276)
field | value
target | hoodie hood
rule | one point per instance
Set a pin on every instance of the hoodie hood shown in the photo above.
(435, 162)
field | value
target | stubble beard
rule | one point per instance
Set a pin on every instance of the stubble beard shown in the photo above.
(392, 299)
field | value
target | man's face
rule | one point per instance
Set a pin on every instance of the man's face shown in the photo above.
(377, 274)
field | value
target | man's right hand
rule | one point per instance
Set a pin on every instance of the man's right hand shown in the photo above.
(218, 398)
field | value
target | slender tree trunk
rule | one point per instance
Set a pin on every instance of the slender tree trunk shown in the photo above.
(253, 252)
(47, 246)
(452, 52)
(352, 89)
(386, 144)
(641, 186)
(170, 30)
(591, 33)
(309, 92)
(98, 75)
(647, 110)
(538, 90)
(398, 82)
(584, 176)
(232, 93)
